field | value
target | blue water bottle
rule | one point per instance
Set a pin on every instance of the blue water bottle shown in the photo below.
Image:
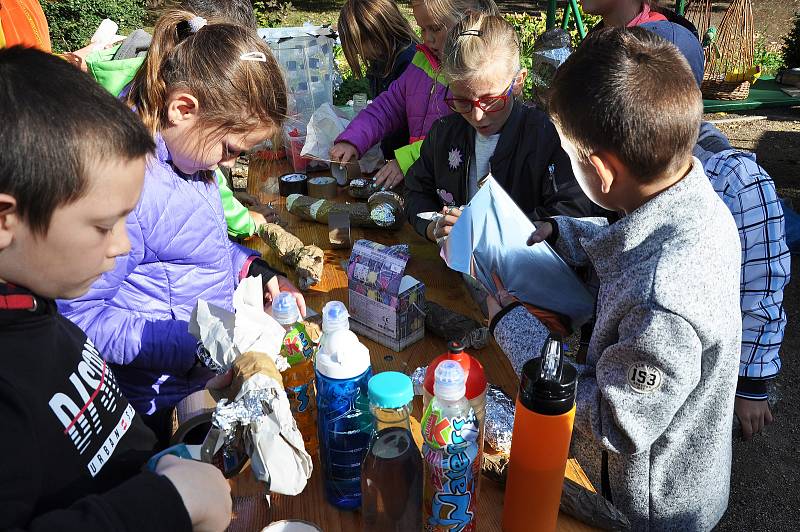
(343, 418)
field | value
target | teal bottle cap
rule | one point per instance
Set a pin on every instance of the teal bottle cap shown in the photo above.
(390, 389)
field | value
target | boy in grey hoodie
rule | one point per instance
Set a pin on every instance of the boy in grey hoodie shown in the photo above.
(655, 393)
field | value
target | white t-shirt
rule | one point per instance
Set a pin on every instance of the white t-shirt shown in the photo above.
(484, 149)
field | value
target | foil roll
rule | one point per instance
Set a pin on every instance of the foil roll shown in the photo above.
(294, 183)
(499, 419)
(386, 208)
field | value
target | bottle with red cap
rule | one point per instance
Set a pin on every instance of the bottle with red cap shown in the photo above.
(476, 391)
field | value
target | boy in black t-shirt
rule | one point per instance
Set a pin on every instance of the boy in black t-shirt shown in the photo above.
(71, 169)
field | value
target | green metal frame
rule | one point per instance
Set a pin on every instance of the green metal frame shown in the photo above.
(571, 11)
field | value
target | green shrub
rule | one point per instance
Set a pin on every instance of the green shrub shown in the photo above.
(72, 22)
(791, 44)
(768, 56)
(271, 13)
(350, 84)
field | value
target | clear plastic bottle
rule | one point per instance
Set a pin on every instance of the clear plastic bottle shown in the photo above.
(450, 430)
(344, 421)
(298, 379)
(476, 384)
(391, 478)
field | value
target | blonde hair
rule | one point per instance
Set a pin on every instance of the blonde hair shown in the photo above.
(371, 30)
(478, 40)
(234, 94)
(448, 12)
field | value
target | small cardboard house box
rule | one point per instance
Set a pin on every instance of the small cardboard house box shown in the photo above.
(385, 305)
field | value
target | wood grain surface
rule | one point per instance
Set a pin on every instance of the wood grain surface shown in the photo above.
(442, 285)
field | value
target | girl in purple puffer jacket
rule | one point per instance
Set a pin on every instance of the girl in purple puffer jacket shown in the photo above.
(415, 100)
(207, 92)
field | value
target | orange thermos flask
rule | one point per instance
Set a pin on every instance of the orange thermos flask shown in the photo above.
(543, 420)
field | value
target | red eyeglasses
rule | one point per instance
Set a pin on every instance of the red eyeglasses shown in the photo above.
(488, 104)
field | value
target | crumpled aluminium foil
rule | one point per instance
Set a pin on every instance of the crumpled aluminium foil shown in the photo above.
(228, 415)
(499, 419)
(383, 215)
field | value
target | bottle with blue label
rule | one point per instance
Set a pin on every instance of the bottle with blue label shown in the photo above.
(450, 430)
(298, 379)
(345, 424)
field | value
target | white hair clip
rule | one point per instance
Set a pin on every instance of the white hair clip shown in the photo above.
(254, 56)
(196, 23)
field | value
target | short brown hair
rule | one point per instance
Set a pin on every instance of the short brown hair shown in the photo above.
(632, 93)
(58, 124)
(476, 41)
(235, 94)
(373, 30)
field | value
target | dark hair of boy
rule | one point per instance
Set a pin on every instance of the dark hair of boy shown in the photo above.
(238, 12)
(629, 92)
(44, 166)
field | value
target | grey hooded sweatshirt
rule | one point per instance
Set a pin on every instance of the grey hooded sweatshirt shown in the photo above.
(655, 396)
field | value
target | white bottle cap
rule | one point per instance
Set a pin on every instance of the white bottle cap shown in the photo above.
(342, 356)
(450, 381)
(284, 309)
(335, 317)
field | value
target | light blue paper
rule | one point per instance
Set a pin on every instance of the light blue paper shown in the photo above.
(491, 236)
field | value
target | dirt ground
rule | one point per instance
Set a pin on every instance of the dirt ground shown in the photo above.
(766, 470)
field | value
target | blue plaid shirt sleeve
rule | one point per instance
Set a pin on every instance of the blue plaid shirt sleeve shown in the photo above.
(750, 194)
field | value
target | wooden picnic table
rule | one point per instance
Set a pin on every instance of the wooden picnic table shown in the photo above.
(443, 286)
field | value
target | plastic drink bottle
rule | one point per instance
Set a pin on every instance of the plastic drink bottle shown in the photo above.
(543, 421)
(450, 431)
(476, 390)
(344, 422)
(391, 477)
(298, 379)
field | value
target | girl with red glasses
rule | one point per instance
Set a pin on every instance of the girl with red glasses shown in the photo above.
(489, 131)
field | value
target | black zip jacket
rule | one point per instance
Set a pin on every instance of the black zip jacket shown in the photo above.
(72, 447)
(528, 163)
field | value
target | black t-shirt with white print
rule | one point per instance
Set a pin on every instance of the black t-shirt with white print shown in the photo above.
(71, 447)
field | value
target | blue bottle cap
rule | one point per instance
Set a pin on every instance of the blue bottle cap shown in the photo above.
(390, 389)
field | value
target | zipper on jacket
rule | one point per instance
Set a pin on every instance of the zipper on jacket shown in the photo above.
(605, 482)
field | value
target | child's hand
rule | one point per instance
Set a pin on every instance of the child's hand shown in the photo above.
(445, 224)
(248, 200)
(258, 218)
(263, 214)
(204, 491)
(753, 416)
(389, 176)
(500, 300)
(279, 284)
(219, 382)
(542, 232)
(343, 152)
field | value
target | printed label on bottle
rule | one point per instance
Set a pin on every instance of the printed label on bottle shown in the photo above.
(298, 398)
(451, 452)
(296, 345)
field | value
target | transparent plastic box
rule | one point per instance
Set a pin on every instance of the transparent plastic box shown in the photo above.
(306, 55)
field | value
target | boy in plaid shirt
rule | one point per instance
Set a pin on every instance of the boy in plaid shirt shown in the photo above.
(749, 193)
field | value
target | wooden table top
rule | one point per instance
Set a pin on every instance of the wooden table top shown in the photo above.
(442, 286)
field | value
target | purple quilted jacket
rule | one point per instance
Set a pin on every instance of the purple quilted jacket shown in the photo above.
(137, 314)
(415, 99)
